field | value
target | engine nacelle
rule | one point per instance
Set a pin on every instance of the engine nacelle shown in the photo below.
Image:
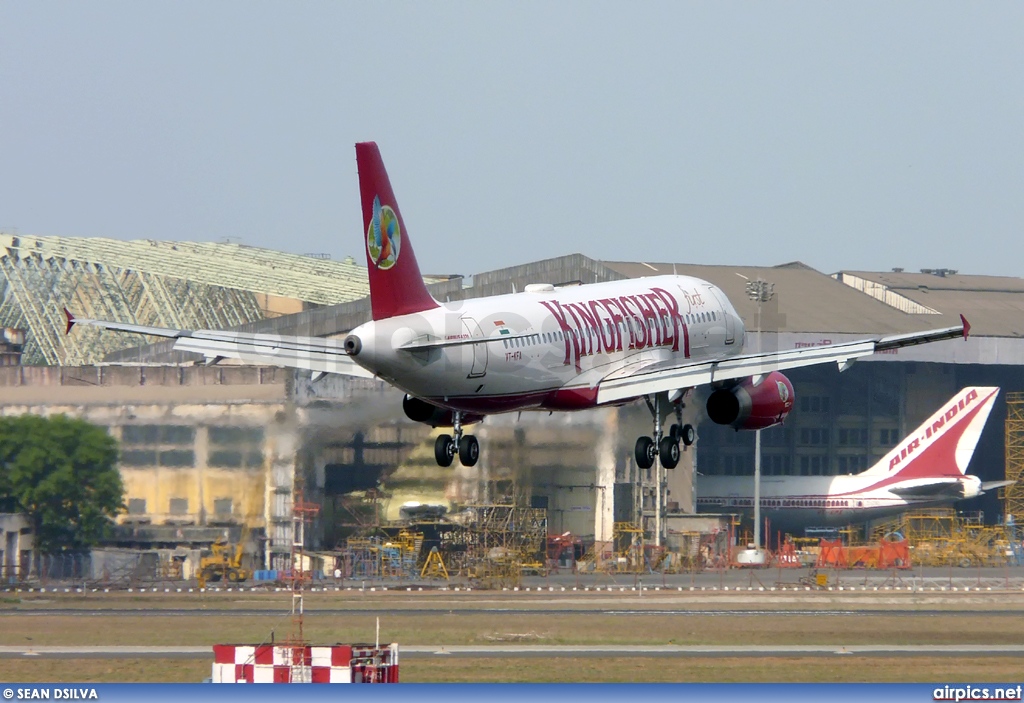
(749, 407)
(419, 410)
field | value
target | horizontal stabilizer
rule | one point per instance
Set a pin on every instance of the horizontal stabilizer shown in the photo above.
(311, 353)
(993, 485)
(937, 490)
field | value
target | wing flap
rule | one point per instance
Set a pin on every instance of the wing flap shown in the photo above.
(660, 379)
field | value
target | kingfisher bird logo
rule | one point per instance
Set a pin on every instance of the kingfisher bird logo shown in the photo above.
(383, 236)
(783, 391)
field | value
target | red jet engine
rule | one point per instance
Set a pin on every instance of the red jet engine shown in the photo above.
(747, 406)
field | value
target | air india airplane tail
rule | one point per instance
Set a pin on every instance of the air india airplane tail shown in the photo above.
(396, 286)
(943, 444)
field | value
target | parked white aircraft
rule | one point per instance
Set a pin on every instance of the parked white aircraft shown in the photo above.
(547, 348)
(928, 468)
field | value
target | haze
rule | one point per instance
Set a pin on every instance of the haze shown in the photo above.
(844, 135)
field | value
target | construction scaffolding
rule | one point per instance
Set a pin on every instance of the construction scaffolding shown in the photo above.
(383, 556)
(502, 543)
(1013, 495)
(628, 550)
(941, 537)
(492, 545)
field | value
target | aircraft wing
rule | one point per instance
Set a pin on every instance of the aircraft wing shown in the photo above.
(311, 353)
(656, 378)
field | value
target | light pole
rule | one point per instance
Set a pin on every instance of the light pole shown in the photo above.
(759, 291)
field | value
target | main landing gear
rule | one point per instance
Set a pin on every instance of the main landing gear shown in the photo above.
(467, 446)
(666, 447)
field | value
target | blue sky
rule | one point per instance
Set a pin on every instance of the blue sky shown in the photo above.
(849, 135)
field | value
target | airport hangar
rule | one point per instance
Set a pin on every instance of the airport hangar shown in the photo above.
(212, 450)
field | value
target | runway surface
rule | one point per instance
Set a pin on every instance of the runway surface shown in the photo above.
(554, 651)
(399, 612)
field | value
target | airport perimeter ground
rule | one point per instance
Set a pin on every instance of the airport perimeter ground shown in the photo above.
(909, 627)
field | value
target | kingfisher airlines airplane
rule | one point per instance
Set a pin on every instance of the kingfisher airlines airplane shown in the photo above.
(928, 468)
(546, 348)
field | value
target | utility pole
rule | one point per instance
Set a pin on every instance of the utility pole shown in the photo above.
(761, 292)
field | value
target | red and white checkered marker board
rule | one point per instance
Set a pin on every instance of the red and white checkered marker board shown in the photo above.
(339, 663)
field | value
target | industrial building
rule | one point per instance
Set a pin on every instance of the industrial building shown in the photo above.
(212, 448)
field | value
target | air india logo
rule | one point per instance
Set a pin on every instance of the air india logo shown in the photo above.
(383, 236)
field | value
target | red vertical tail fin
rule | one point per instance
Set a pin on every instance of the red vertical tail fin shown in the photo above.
(944, 443)
(396, 286)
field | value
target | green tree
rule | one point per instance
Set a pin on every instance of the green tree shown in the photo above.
(62, 473)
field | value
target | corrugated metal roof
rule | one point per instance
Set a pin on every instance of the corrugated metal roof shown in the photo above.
(165, 284)
(805, 300)
(237, 266)
(994, 305)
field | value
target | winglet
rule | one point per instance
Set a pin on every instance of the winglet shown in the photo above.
(71, 320)
(967, 326)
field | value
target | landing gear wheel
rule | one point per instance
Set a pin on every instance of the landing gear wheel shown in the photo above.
(469, 450)
(444, 450)
(688, 435)
(668, 451)
(645, 451)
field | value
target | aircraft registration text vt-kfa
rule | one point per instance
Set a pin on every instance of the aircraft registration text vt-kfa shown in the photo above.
(546, 348)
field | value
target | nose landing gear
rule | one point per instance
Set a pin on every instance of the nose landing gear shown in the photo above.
(446, 446)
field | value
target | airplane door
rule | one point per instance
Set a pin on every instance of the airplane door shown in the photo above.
(730, 321)
(479, 368)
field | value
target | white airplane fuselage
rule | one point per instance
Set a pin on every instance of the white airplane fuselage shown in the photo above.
(800, 501)
(928, 467)
(549, 346)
